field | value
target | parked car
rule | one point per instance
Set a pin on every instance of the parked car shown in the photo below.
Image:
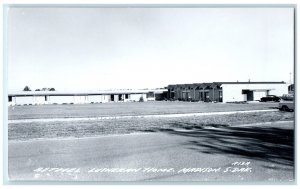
(288, 97)
(270, 98)
(287, 103)
(286, 106)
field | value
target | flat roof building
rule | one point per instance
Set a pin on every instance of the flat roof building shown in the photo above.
(73, 97)
(226, 91)
(206, 92)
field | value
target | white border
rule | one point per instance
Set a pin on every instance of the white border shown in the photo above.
(178, 2)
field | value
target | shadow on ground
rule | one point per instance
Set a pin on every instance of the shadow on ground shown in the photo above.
(273, 145)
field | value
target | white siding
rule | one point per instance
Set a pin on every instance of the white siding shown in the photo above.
(258, 95)
(24, 100)
(73, 99)
(136, 97)
(233, 92)
(116, 98)
(60, 99)
(39, 100)
(105, 98)
(96, 98)
(80, 99)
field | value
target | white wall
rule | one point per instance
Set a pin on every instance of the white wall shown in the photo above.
(258, 95)
(24, 100)
(39, 99)
(116, 98)
(105, 98)
(60, 99)
(96, 98)
(27, 100)
(81, 99)
(136, 97)
(233, 92)
(73, 99)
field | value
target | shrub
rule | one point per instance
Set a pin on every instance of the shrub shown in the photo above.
(141, 99)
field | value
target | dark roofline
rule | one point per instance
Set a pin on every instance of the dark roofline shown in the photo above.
(221, 83)
(71, 94)
(56, 93)
(258, 82)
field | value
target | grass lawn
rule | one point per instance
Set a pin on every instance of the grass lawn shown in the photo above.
(128, 108)
(34, 130)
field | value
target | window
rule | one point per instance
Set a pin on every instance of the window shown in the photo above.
(245, 91)
(150, 95)
(126, 96)
(9, 98)
(220, 96)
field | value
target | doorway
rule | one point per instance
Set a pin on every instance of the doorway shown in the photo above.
(249, 95)
(112, 97)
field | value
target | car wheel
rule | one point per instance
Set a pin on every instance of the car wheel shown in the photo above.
(285, 108)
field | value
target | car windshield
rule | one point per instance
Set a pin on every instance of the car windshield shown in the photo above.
(287, 97)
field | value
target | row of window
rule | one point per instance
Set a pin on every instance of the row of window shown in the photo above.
(112, 97)
(120, 97)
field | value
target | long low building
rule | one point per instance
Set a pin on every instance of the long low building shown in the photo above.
(56, 97)
(226, 91)
(206, 92)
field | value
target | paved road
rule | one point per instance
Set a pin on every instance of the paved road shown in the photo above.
(165, 155)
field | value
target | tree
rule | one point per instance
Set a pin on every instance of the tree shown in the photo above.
(26, 89)
(46, 89)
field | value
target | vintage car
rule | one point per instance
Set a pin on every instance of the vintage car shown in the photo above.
(287, 103)
(287, 106)
(270, 98)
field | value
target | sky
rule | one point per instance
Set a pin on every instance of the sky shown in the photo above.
(135, 48)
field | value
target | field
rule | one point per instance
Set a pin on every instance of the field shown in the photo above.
(59, 136)
(78, 129)
(121, 109)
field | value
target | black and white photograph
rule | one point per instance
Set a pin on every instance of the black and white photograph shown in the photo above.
(150, 93)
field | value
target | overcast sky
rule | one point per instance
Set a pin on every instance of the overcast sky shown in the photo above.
(108, 48)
